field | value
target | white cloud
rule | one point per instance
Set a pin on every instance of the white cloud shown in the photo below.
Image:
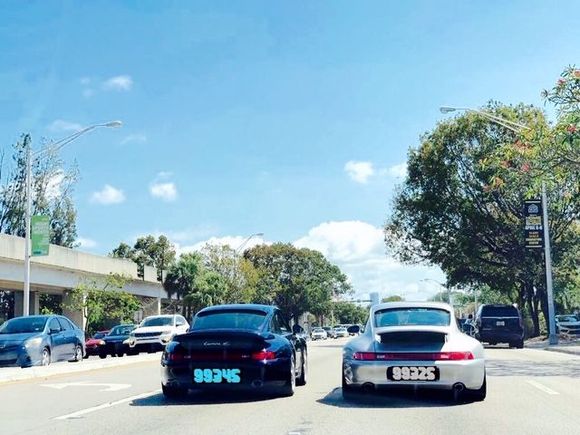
(359, 172)
(137, 138)
(86, 243)
(108, 195)
(118, 83)
(165, 191)
(85, 81)
(61, 125)
(358, 249)
(53, 185)
(398, 171)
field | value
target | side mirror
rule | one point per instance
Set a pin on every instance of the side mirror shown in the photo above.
(354, 329)
(297, 329)
(54, 331)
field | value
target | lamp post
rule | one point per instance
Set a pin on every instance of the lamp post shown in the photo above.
(240, 247)
(28, 209)
(518, 128)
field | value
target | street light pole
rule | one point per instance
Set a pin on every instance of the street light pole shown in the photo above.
(28, 208)
(517, 128)
(440, 293)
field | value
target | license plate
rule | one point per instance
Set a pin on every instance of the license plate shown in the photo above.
(500, 323)
(216, 376)
(413, 373)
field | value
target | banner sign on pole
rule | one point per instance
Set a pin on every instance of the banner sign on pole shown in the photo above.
(40, 235)
(533, 228)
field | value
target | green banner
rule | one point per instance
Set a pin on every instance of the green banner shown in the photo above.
(40, 235)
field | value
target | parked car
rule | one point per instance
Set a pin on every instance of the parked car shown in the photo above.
(329, 332)
(340, 331)
(414, 345)
(93, 344)
(114, 342)
(568, 324)
(244, 347)
(318, 334)
(499, 323)
(154, 332)
(40, 340)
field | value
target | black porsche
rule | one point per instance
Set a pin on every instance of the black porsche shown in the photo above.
(239, 347)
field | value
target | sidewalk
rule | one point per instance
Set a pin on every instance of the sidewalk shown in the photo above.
(570, 346)
(11, 374)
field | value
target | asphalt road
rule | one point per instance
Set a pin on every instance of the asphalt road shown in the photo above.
(529, 391)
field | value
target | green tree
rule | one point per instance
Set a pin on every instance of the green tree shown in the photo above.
(394, 298)
(347, 312)
(52, 189)
(460, 206)
(103, 301)
(297, 280)
(148, 251)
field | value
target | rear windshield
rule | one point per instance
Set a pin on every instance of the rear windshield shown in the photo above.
(412, 316)
(158, 321)
(23, 325)
(228, 319)
(500, 311)
(122, 330)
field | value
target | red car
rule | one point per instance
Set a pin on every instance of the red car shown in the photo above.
(93, 344)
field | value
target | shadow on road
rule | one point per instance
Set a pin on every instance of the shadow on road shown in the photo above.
(390, 399)
(201, 398)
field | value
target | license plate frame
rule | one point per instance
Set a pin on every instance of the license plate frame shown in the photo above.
(500, 323)
(212, 376)
(406, 373)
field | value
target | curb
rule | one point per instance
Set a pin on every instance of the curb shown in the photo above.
(561, 350)
(65, 368)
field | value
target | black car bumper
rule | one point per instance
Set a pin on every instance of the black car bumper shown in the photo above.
(500, 337)
(255, 376)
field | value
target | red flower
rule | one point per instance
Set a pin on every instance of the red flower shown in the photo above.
(561, 82)
(525, 167)
(571, 128)
(576, 73)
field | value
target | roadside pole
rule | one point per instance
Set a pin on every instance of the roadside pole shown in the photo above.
(553, 338)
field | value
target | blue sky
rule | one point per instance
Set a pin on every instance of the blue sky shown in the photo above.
(241, 116)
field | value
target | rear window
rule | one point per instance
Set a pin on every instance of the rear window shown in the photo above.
(412, 316)
(228, 319)
(499, 311)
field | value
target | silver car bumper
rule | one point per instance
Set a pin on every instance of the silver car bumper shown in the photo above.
(470, 373)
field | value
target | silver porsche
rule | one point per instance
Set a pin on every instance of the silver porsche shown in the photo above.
(414, 345)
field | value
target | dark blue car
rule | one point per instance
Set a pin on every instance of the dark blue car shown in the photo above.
(236, 347)
(115, 342)
(40, 340)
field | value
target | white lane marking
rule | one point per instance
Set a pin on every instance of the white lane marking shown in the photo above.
(82, 412)
(108, 387)
(542, 387)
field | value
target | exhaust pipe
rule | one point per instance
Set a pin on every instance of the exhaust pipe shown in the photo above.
(458, 387)
(368, 387)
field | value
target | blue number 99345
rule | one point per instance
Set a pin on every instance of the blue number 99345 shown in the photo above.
(216, 376)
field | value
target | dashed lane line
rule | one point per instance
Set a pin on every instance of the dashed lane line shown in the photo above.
(542, 387)
(86, 411)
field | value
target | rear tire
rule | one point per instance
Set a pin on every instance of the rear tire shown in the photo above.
(173, 392)
(120, 354)
(479, 394)
(520, 344)
(288, 389)
(78, 354)
(304, 372)
(347, 390)
(102, 355)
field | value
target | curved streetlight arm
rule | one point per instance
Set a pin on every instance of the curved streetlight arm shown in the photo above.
(59, 144)
(247, 240)
(510, 125)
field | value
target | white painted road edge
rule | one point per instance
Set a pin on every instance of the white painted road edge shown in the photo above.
(542, 387)
(63, 368)
(86, 411)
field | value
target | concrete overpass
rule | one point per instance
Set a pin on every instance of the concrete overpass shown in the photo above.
(62, 270)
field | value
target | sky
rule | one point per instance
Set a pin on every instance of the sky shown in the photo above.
(291, 119)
